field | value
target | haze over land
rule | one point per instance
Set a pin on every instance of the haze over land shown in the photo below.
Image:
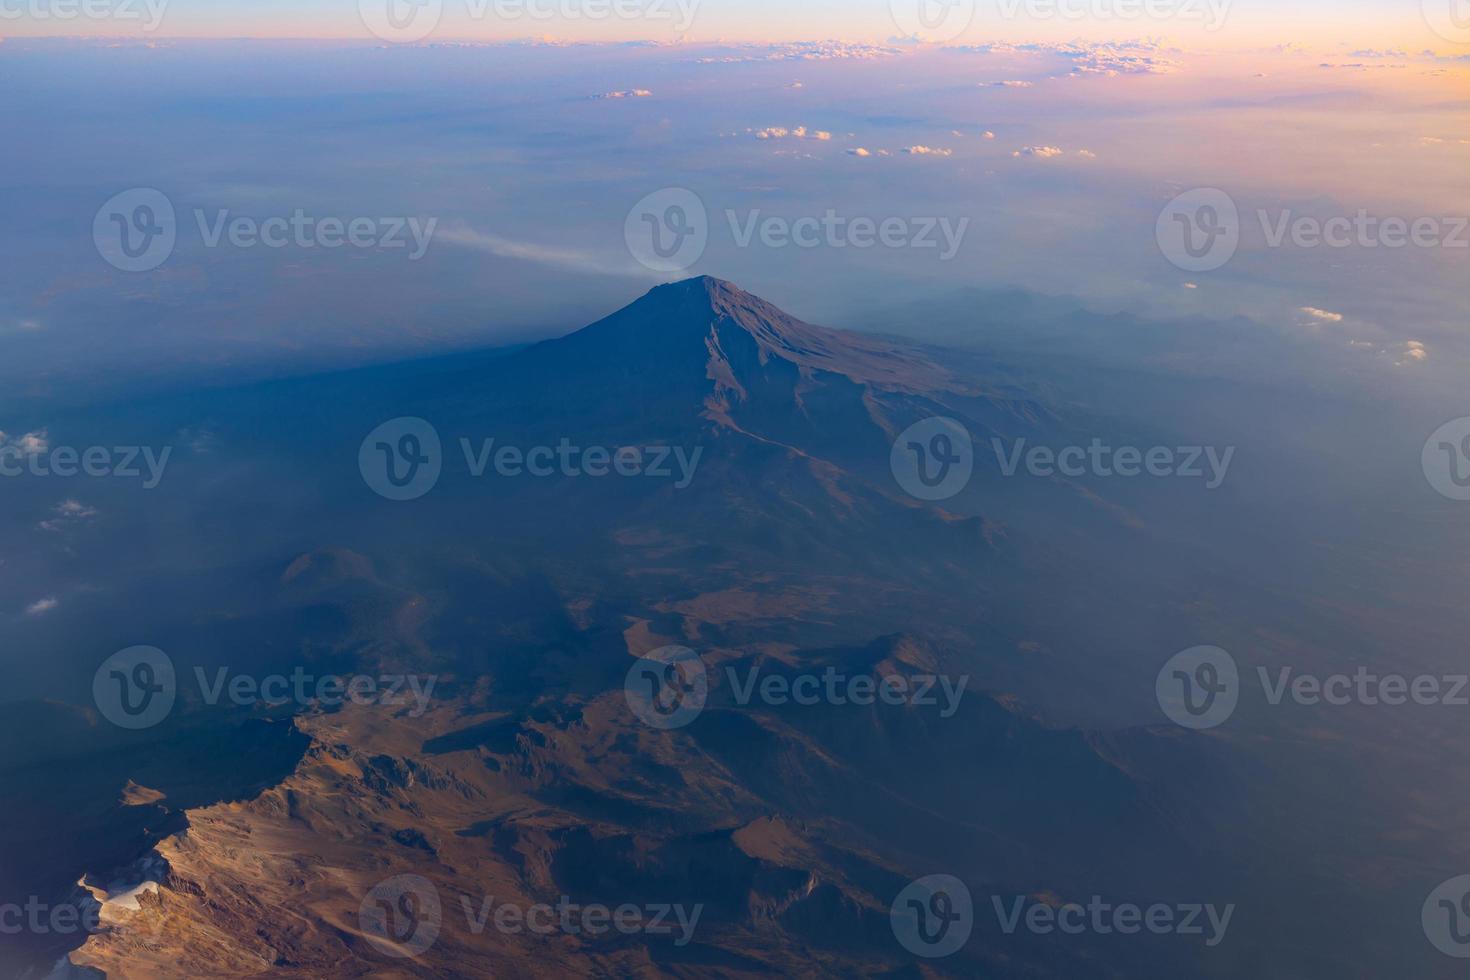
(393, 427)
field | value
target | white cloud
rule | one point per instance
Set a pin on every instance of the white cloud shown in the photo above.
(632, 93)
(1012, 84)
(803, 51)
(988, 135)
(1044, 152)
(860, 151)
(67, 512)
(30, 444)
(800, 133)
(1326, 316)
(1414, 351)
(1142, 56)
(42, 606)
(930, 151)
(1087, 154)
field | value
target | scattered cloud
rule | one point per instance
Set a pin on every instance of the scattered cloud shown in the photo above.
(42, 606)
(1413, 352)
(1043, 152)
(988, 135)
(67, 513)
(1142, 56)
(802, 51)
(928, 151)
(798, 132)
(1325, 316)
(632, 93)
(860, 151)
(30, 444)
(1010, 84)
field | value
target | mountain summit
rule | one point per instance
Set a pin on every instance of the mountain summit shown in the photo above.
(732, 332)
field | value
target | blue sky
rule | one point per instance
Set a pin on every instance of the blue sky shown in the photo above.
(1248, 22)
